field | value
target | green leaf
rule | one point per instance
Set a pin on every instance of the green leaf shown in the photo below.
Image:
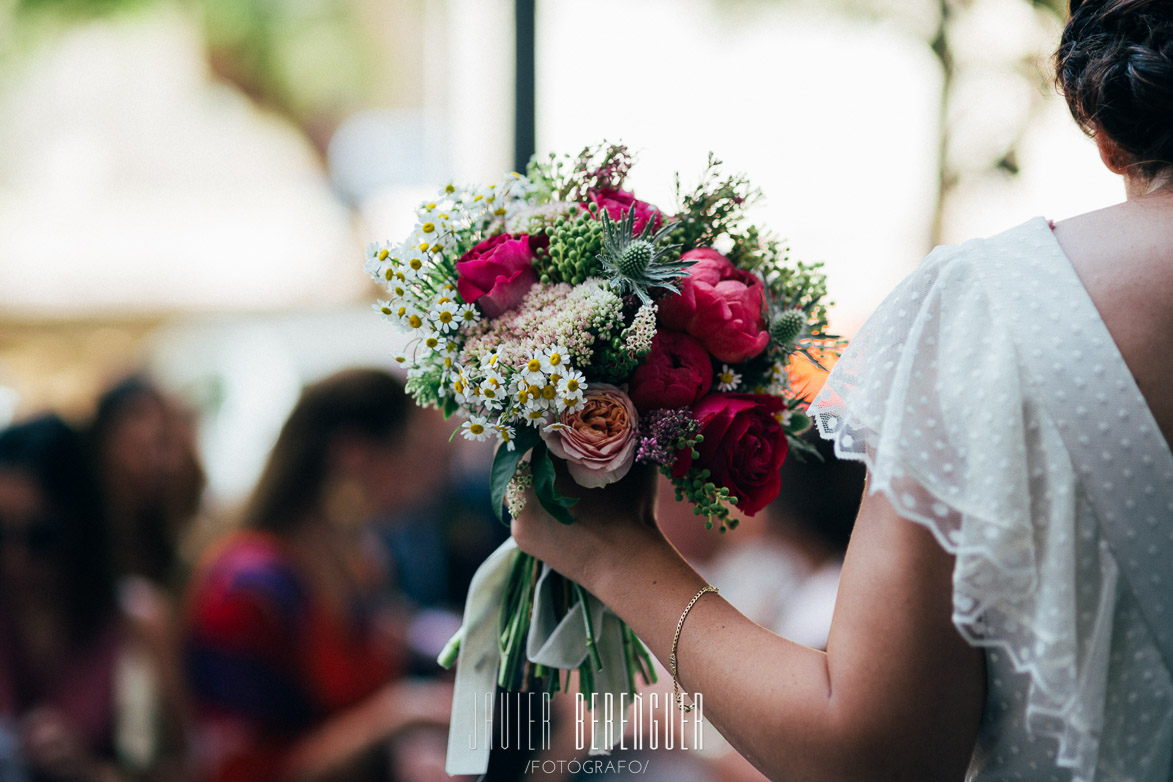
(543, 471)
(450, 406)
(505, 464)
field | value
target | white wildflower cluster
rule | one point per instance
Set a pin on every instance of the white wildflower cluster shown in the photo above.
(419, 274)
(499, 397)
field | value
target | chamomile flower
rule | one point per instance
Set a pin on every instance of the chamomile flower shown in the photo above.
(506, 433)
(532, 370)
(553, 360)
(376, 258)
(468, 315)
(444, 314)
(522, 392)
(492, 390)
(461, 385)
(475, 428)
(435, 342)
(491, 360)
(727, 379)
(571, 404)
(547, 397)
(386, 309)
(572, 383)
(411, 317)
(535, 416)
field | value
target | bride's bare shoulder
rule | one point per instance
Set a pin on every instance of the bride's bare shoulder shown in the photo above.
(1124, 257)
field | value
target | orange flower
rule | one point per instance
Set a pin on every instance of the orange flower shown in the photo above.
(806, 379)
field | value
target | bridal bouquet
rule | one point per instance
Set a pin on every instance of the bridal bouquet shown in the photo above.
(562, 317)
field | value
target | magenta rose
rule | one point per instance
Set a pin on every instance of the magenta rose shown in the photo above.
(617, 203)
(743, 448)
(598, 442)
(497, 273)
(721, 305)
(676, 373)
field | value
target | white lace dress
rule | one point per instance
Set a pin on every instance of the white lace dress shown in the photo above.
(949, 394)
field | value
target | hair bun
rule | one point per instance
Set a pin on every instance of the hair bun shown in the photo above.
(1115, 67)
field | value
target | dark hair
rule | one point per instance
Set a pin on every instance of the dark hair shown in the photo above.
(148, 545)
(1114, 65)
(369, 403)
(52, 455)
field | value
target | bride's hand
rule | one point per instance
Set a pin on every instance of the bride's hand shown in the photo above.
(611, 524)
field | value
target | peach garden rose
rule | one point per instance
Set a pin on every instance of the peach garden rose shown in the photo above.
(597, 441)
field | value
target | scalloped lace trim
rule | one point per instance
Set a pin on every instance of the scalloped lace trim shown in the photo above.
(1051, 702)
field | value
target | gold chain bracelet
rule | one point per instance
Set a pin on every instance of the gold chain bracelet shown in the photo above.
(675, 640)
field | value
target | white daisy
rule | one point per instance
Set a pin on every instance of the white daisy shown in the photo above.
(554, 360)
(444, 314)
(727, 379)
(532, 370)
(468, 315)
(475, 428)
(492, 389)
(506, 434)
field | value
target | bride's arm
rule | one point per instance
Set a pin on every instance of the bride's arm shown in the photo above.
(897, 695)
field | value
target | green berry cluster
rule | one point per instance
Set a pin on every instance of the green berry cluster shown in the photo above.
(709, 500)
(614, 362)
(575, 242)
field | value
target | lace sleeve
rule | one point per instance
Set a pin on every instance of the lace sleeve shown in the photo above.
(932, 396)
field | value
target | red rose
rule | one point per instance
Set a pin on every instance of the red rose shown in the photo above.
(676, 373)
(721, 305)
(497, 273)
(743, 449)
(617, 203)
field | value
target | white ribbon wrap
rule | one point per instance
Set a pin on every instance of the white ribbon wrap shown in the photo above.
(556, 644)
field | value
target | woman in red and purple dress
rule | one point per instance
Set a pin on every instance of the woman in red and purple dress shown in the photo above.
(292, 675)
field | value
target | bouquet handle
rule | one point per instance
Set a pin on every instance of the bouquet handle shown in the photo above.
(554, 643)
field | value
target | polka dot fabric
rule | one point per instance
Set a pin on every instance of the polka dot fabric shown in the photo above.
(961, 394)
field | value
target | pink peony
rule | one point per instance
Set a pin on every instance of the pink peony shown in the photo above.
(721, 305)
(598, 442)
(618, 202)
(676, 373)
(497, 273)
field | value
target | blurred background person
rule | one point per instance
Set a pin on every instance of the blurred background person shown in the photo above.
(293, 674)
(142, 443)
(66, 692)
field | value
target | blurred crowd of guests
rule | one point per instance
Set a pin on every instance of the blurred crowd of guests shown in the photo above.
(295, 638)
